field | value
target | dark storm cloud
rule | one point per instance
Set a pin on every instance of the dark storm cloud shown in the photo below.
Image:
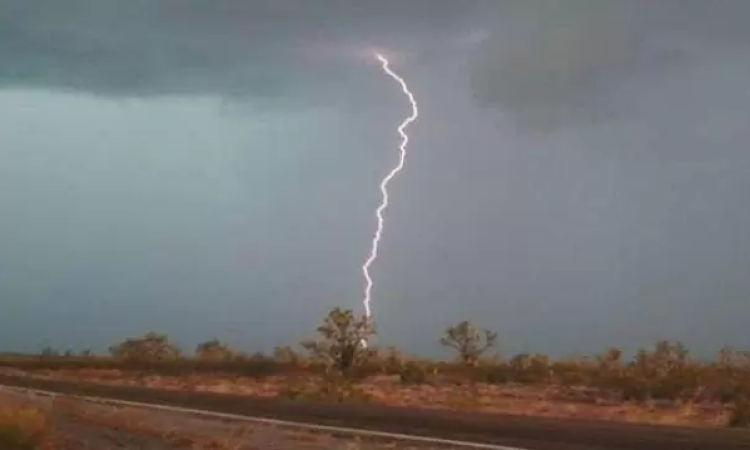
(546, 61)
(558, 62)
(225, 47)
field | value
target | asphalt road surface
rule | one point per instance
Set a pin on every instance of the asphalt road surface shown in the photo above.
(530, 433)
(114, 425)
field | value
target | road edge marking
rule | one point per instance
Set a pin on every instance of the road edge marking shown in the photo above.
(274, 422)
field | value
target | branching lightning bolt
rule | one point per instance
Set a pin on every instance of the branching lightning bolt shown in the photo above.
(384, 184)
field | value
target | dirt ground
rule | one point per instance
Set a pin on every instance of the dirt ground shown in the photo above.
(548, 401)
(80, 425)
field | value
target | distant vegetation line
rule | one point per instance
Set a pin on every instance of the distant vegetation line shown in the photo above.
(666, 372)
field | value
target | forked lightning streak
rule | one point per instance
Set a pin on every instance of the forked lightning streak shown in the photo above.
(384, 185)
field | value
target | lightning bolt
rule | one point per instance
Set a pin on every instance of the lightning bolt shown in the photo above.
(385, 65)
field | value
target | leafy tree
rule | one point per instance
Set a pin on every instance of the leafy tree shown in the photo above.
(151, 347)
(468, 342)
(339, 346)
(214, 350)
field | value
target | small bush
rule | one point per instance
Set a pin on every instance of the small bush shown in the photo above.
(663, 374)
(331, 388)
(412, 373)
(494, 374)
(740, 417)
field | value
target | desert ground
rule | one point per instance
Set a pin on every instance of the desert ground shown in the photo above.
(662, 385)
(70, 424)
(545, 401)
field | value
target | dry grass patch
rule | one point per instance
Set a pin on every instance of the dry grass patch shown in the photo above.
(141, 423)
(529, 400)
(23, 427)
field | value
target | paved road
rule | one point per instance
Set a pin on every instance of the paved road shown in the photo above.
(525, 432)
(100, 426)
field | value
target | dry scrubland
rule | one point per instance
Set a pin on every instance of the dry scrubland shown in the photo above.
(43, 423)
(662, 385)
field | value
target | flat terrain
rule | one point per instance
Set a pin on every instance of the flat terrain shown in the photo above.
(526, 432)
(537, 401)
(82, 425)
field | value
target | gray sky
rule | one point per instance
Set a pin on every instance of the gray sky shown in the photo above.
(576, 178)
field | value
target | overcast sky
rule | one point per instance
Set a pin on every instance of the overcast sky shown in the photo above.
(578, 177)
